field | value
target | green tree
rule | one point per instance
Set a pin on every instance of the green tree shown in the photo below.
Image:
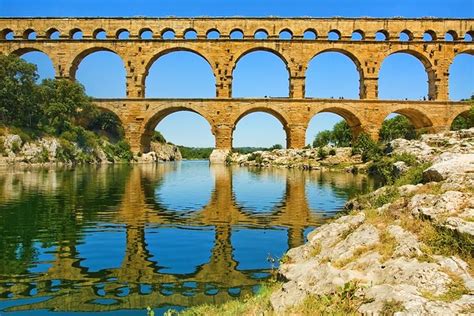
(397, 127)
(464, 121)
(18, 103)
(65, 105)
(158, 137)
(322, 138)
(341, 134)
(367, 148)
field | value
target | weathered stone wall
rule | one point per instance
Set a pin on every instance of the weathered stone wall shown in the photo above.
(141, 115)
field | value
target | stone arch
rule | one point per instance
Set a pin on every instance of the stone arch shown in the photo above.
(380, 33)
(353, 58)
(168, 30)
(213, 34)
(80, 57)
(310, 34)
(355, 123)
(425, 61)
(98, 31)
(406, 34)
(75, 33)
(237, 32)
(469, 36)
(121, 33)
(152, 121)
(461, 71)
(25, 50)
(334, 35)
(50, 32)
(432, 36)
(358, 35)
(453, 34)
(417, 117)
(282, 118)
(173, 50)
(4, 33)
(143, 31)
(463, 113)
(190, 33)
(261, 31)
(285, 34)
(29, 34)
(275, 53)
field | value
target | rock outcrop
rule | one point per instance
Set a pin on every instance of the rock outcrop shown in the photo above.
(308, 159)
(414, 252)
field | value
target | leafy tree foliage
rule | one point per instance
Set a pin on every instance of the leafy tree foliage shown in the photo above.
(340, 136)
(397, 127)
(158, 137)
(55, 107)
(464, 121)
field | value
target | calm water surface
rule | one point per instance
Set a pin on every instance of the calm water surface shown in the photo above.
(113, 240)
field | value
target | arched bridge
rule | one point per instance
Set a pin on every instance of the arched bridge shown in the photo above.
(222, 42)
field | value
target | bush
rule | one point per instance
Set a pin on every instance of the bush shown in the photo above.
(16, 147)
(66, 151)
(367, 148)
(158, 137)
(121, 150)
(332, 152)
(322, 154)
(257, 157)
(276, 146)
(397, 127)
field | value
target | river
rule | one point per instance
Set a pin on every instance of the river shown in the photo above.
(113, 240)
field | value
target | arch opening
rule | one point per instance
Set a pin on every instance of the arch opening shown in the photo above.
(286, 35)
(236, 34)
(429, 36)
(469, 36)
(190, 34)
(100, 34)
(334, 35)
(381, 36)
(358, 35)
(451, 36)
(213, 34)
(464, 120)
(145, 34)
(310, 34)
(406, 36)
(180, 126)
(404, 123)
(44, 64)
(122, 34)
(53, 34)
(260, 73)
(249, 126)
(168, 34)
(334, 75)
(333, 126)
(405, 76)
(102, 72)
(261, 35)
(461, 72)
(7, 34)
(180, 74)
(29, 35)
(75, 34)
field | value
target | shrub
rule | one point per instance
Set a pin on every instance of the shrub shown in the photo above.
(332, 152)
(322, 153)
(276, 146)
(66, 151)
(158, 137)
(121, 150)
(367, 148)
(16, 147)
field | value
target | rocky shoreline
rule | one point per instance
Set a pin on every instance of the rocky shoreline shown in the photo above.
(15, 151)
(405, 249)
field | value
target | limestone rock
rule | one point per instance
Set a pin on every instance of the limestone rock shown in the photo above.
(449, 164)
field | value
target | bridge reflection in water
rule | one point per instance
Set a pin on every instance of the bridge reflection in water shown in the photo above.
(84, 206)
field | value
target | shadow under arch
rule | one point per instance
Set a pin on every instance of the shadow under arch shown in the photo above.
(352, 57)
(354, 122)
(174, 50)
(156, 118)
(419, 119)
(426, 64)
(284, 121)
(83, 54)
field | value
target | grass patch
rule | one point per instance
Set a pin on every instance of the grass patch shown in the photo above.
(391, 307)
(456, 289)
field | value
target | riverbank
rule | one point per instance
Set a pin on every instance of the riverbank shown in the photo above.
(23, 150)
(406, 248)
(306, 159)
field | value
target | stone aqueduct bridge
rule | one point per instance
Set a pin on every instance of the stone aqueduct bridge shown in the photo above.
(140, 116)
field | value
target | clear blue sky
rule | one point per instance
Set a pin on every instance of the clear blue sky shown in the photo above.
(259, 74)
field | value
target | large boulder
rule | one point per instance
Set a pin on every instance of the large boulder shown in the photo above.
(448, 164)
